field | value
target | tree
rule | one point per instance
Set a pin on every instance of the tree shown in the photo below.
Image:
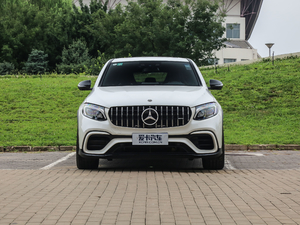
(6, 68)
(95, 24)
(75, 58)
(33, 24)
(36, 63)
(191, 29)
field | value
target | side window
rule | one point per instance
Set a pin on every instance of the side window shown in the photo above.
(232, 30)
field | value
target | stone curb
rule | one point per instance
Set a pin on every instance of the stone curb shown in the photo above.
(71, 148)
(36, 148)
(261, 147)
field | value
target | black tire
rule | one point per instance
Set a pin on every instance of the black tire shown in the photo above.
(215, 163)
(85, 163)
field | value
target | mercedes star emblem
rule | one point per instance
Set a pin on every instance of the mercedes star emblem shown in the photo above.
(150, 116)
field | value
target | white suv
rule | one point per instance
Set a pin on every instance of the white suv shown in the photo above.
(150, 107)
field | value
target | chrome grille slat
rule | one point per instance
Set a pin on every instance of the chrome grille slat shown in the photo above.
(161, 116)
(183, 112)
(130, 116)
(122, 116)
(127, 117)
(167, 117)
(158, 114)
(177, 116)
(172, 116)
(117, 116)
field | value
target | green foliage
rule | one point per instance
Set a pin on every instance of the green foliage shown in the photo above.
(32, 24)
(185, 29)
(75, 58)
(148, 27)
(6, 68)
(96, 64)
(36, 63)
(95, 24)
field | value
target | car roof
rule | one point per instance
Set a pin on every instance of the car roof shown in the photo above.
(138, 59)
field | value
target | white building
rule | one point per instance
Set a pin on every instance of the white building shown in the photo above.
(241, 16)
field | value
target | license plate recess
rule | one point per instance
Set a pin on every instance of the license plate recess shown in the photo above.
(150, 139)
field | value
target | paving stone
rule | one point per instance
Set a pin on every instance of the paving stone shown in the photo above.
(163, 196)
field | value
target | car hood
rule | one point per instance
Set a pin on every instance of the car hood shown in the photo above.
(149, 95)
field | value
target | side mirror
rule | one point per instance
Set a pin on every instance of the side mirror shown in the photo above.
(85, 85)
(215, 85)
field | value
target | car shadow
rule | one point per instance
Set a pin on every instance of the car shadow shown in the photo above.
(151, 165)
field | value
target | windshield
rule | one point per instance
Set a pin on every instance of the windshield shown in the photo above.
(150, 73)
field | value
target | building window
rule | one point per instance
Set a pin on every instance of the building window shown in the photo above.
(212, 61)
(229, 60)
(232, 30)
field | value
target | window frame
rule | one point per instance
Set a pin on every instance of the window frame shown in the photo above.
(231, 32)
(195, 73)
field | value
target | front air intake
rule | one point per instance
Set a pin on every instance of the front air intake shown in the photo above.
(160, 116)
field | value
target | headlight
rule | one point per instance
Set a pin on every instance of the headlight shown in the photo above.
(206, 111)
(95, 112)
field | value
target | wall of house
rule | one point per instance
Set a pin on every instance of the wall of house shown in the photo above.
(239, 54)
(233, 7)
(233, 10)
(236, 20)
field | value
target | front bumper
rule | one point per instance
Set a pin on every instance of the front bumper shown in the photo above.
(202, 144)
(197, 139)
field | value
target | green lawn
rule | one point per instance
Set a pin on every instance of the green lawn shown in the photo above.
(39, 112)
(260, 102)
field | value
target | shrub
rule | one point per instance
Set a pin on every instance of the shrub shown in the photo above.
(36, 63)
(6, 68)
(96, 64)
(75, 58)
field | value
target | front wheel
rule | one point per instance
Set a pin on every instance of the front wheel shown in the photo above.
(215, 163)
(84, 163)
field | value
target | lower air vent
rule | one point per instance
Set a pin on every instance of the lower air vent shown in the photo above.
(97, 142)
(203, 141)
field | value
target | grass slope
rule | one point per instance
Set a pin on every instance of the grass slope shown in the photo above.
(260, 102)
(39, 112)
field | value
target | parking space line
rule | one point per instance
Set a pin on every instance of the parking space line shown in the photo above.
(245, 153)
(58, 161)
(228, 165)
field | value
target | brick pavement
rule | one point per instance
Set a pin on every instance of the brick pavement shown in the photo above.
(122, 197)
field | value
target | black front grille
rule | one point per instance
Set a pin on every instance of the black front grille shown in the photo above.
(172, 148)
(168, 116)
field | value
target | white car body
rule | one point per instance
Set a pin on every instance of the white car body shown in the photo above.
(120, 136)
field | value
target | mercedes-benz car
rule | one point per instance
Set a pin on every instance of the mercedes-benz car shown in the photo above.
(153, 107)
